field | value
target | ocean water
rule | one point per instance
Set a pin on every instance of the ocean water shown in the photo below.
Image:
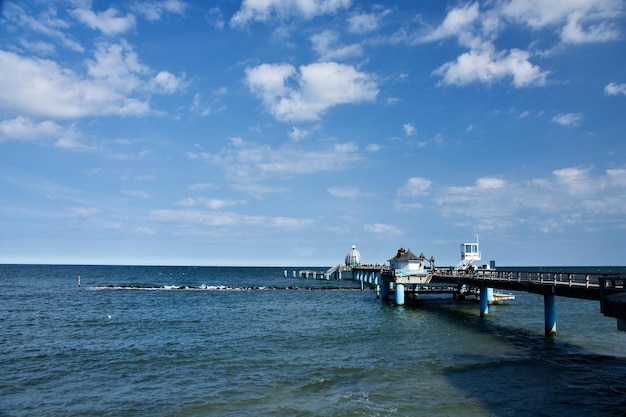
(211, 341)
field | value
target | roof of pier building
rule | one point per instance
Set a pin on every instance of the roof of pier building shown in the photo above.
(353, 257)
(405, 255)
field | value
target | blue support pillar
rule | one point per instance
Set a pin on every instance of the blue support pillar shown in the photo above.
(490, 296)
(549, 307)
(484, 301)
(400, 294)
(384, 290)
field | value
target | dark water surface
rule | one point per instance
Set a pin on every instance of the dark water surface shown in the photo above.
(245, 341)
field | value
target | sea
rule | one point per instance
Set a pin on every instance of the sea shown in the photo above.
(244, 341)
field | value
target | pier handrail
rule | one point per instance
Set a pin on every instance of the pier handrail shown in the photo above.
(581, 279)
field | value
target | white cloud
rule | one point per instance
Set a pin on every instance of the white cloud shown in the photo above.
(115, 83)
(47, 24)
(488, 66)
(307, 95)
(363, 23)
(38, 47)
(247, 164)
(263, 10)
(108, 22)
(576, 32)
(613, 89)
(568, 119)
(198, 107)
(211, 203)
(381, 228)
(326, 46)
(24, 128)
(118, 66)
(166, 82)
(486, 183)
(137, 193)
(367, 22)
(344, 191)
(201, 186)
(570, 197)
(193, 218)
(409, 129)
(616, 177)
(478, 28)
(576, 21)
(215, 18)
(298, 134)
(416, 186)
(154, 10)
(457, 23)
(575, 180)
(83, 213)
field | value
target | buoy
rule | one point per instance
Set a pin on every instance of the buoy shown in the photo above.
(79, 280)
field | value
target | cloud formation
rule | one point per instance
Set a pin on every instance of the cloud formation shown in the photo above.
(263, 10)
(305, 95)
(568, 119)
(108, 22)
(477, 27)
(115, 83)
(614, 89)
(571, 196)
(247, 164)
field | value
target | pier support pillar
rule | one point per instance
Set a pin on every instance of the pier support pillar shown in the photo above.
(400, 294)
(549, 307)
(484, 301)
(384, 290)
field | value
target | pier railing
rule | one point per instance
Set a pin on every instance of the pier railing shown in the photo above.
(586, 285)
(608, 288)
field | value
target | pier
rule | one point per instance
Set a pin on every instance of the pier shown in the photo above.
(408, 276)
(608, 289)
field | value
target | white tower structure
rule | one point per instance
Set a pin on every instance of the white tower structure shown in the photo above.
(353, 257)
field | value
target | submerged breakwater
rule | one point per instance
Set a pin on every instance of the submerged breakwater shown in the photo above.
(212, 341)
(224, 287)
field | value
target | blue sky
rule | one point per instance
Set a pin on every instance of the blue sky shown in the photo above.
(282, 132)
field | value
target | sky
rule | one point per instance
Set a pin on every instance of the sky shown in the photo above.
(282, 132)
